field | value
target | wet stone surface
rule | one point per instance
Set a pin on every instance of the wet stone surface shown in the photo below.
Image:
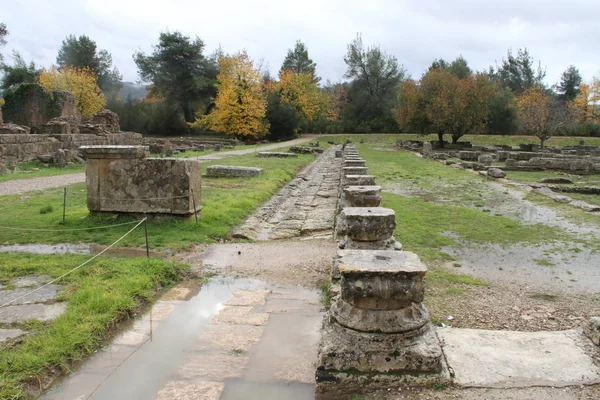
(194, 349)
(38, 305)
(305, 207)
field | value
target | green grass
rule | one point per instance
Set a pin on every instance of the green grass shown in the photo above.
(37, 169)
(98, 297)
(227, 202)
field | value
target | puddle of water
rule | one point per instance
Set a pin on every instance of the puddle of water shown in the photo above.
(558, 267)
(36, 248)
(135, 367)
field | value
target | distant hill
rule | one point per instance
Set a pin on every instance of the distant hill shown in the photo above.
(137, 91)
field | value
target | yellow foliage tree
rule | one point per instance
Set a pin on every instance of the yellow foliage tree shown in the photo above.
(240, 105)
(302, 93)
(583, 108)
(81, 82)
(538, 115)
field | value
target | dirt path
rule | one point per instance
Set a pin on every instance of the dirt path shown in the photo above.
(19, 186)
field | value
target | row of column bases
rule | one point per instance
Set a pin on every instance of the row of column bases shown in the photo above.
(377, 333)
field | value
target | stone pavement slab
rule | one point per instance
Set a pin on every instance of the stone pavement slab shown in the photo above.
(504, 359)
(6, 334)
(21, 313)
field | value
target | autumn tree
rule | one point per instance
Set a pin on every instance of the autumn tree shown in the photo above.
(19, 72)
(375, 77)
(583, 106)
(445, 104)
(299, 62)
(179, 72)
(540, 114)
(297, 97)
(568, 87)
(82, 52)
(240, 105)
(519, 72)
(81, 82)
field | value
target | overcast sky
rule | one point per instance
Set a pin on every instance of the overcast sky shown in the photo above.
(556, 32)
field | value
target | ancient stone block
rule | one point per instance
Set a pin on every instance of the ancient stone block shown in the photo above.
(107, 120)
(13, 129)
(276, 154)
(355, 171)
(359, 180)
(485, 159)
(362, 196)
(354, 163)
(62, 126)
(427, 148)
(469, 155)
(369, 224)
(377, 324)
(232, 171)
(496, 173)
(119, 179)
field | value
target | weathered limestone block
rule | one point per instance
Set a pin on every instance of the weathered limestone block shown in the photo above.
(355, 163)
(362, 196)
(485, 159)
(469, 155)
(359, 180)
(13, 129)
(496, 173)
(276, 154)
(368, 228)
(427, 148)
(107, 120)
(120, 179)
(62, 126)
(355, 171)
(228, 171)
(369, 224)
(377, 325)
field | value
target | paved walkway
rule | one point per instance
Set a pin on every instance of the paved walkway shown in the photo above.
(305, 207)
(19, 186)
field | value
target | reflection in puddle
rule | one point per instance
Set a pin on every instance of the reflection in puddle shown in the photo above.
(36, 248)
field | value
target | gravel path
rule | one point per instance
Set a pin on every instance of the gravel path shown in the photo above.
(19, 186)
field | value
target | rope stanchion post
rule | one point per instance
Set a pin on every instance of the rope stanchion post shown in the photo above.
(64, 204)
(146, 233)
(194, 205)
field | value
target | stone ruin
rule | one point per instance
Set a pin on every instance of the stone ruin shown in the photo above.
(176, 145)
(232, 171)
(275, 154)
(579, 159)
(121, 179)
(48, 127)
(377, 330)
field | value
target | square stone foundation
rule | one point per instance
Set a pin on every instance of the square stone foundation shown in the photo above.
(120, 179)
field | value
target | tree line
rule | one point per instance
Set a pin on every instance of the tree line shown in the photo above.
(191, 91)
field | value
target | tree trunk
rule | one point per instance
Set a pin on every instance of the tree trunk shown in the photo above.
(441, 139)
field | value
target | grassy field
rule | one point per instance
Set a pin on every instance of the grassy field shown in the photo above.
(425, 227)
(98, 298)
(37, 169)
(227, 202)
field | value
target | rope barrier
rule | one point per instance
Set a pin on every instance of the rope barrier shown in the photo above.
(74, 269)
(69, 230)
